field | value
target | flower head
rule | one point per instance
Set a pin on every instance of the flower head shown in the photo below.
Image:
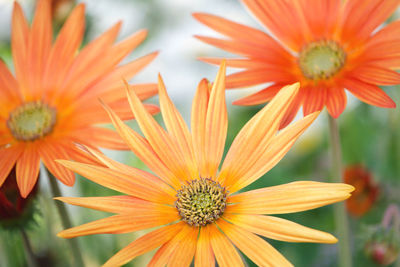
(52, 102)
(366, 191)
(197, 209)
(327, 45)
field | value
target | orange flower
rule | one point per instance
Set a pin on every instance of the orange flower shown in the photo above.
(365, 193)
(326, 45)
(53, 100)
(197, 209)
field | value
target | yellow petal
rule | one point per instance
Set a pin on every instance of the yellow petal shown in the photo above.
(204, 254)
(255, 137)
(279, 229)
(144, 244)
(288, 198)
(257, 249)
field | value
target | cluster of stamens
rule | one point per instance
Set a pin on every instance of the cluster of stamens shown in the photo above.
(31, 121)
(201, 201)
(321, 60)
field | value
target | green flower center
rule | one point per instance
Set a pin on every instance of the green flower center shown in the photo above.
(321, 60)
(201, 202)
(31, 121)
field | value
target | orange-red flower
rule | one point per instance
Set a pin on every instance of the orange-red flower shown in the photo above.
(197, 209)
(326, 45)
(52, 102)
(366, 191)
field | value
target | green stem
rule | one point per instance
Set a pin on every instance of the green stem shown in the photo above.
(340, 214)
(65, 219)
(30, 256)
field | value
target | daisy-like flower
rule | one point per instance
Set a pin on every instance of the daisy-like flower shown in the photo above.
(197, 209)
(326, 45)
(52, 102)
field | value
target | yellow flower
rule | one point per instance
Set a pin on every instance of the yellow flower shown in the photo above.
(53, 100)
(197, 209)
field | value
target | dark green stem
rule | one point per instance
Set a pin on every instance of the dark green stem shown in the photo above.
(340, 214)
(65, 219)
(30, 256)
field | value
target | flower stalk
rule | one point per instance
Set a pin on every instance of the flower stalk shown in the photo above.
(65, 219)
(30, 256)
(340, 214)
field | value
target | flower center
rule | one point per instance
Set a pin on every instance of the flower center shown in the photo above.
(31, 121)
(201, 202)
(321, 60)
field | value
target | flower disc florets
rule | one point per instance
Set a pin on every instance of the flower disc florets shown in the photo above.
(31, 121)
(321, 60)
(201, 201)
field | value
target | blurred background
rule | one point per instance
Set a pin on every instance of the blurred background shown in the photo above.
(370, 139)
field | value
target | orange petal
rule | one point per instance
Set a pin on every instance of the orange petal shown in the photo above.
(116, 204)
(49, 153)
(224, 251)
(279, 146)
(136, 184)
(259, 97)
(63, 52)
(165, 147)
(9, 94)
(204, 254)
(178, 129)
(216, 124)
(128, 170)
(78, 154)
(19, 45)
(258, 76)
(282, 26)
(279, 229)
(243, 63)
(8, 157)
(257, 249)
(369, 93)
(39, 45)
(143, 91)
(102, 137)
(89, 56)
(122, 223)
(184, 252)
(376, 75)
(313, 99)
(198, 124)
(255, 136)
(143, 150)
(27, 169)
(114, 79)
(144, 244)
(288, 198)
(336, 101)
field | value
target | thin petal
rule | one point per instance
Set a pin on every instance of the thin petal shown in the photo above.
(8, 157)
(224, 251)
(251, 77)
(279, 229)
(184, 252)
(314, 99)
(160, 141)
(336, 101)
(177, 128)
(198, 124)
(279, 146)
(369, 93)
(135, 184)
(49, 153)
(27, 169)
(288, 198)
(143, 150)
(9, 93)
(144, 244)
(102, 137)
(376, 75)
(204, 254)
(257, 249)
(115, 204)
(122, 223)
(255, 136)
(259, 97)
(216, 124)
